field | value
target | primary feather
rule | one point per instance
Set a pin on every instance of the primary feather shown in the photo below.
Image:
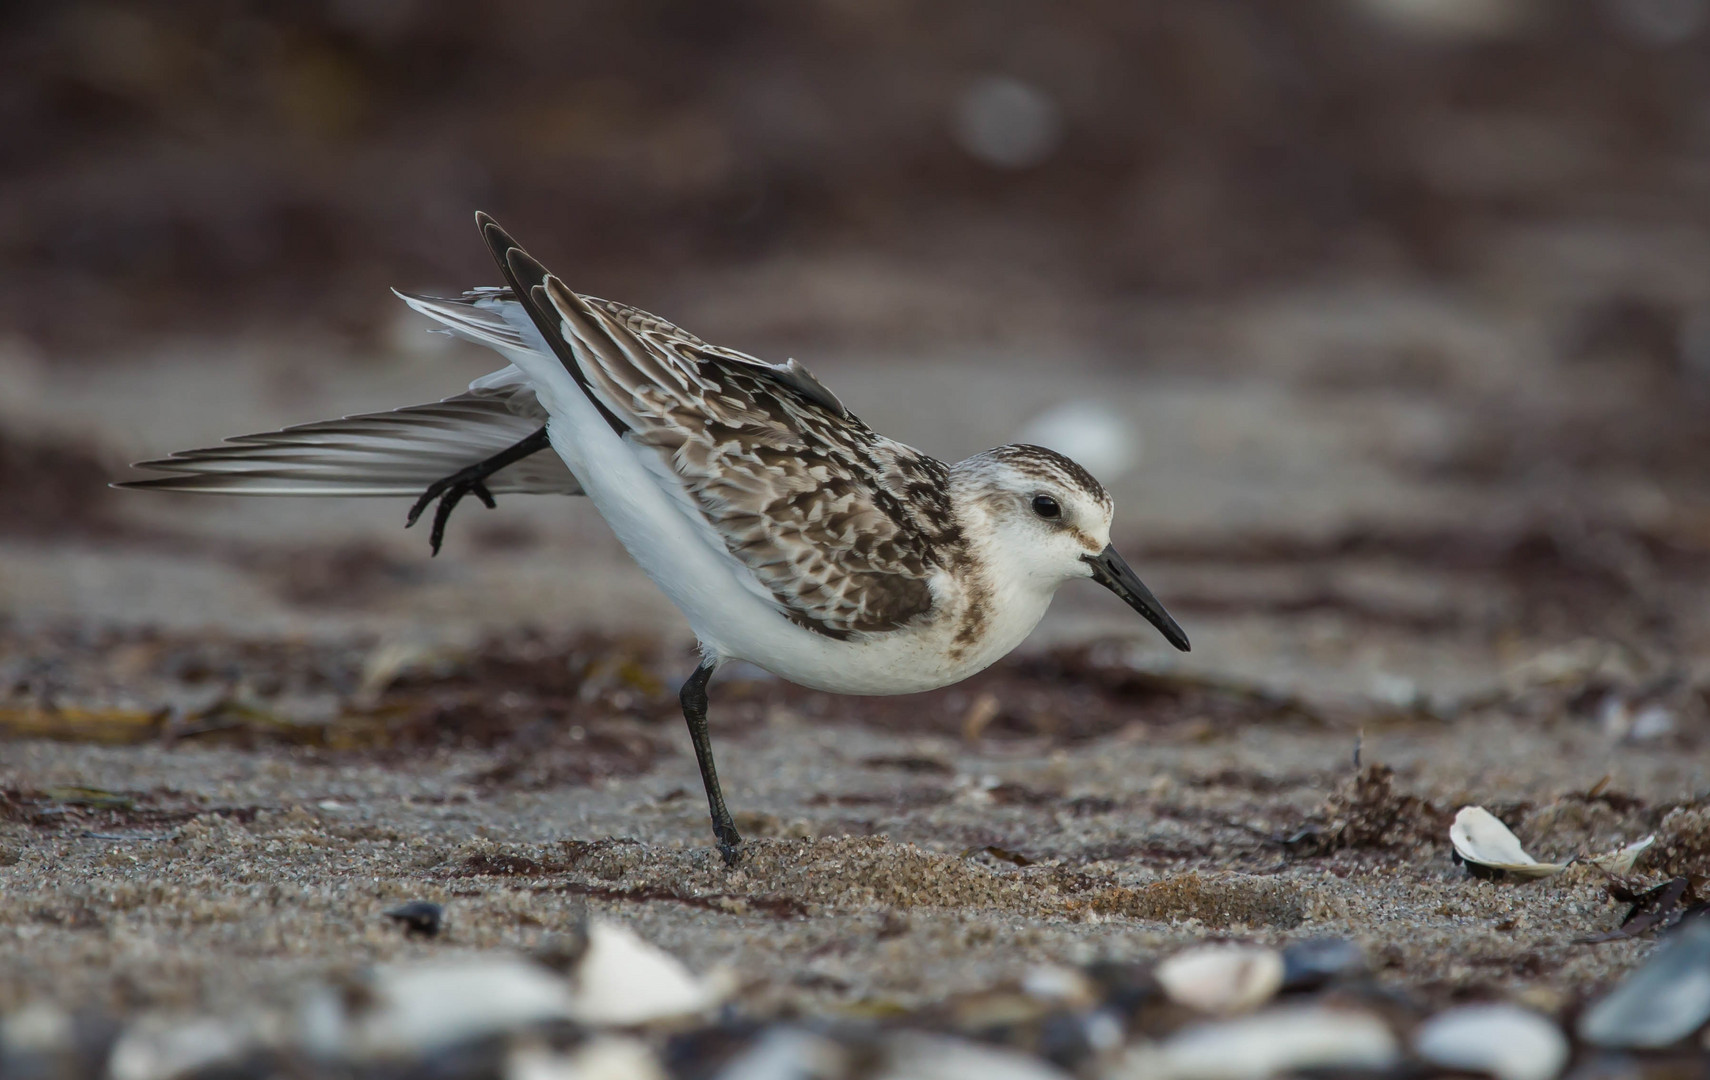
(399, 452)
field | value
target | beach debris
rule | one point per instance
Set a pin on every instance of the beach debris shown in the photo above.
(612, 979)
(392, 659)
(1062, 985)
(40, 1027)
(1001, 854)
(1623, 859)
(1626, 720)
(979, 716)
(1659, 907)
(1664, 1001)
(1001, 1011)
(163, 1048)
(408, 1011)
(605, 1057)
(420, 918)
(1222, 978)
(621, 980)
(1504, 1041)
(1280, 1040)
(1491, 852)
(1367, 812)
(40, 1039)
(1310, 964)
(788, 1053)
(916, 1055)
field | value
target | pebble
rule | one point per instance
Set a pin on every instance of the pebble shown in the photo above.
(1222, 978)
(1310, 964)
(1664, 1001)
(420, 918)
(1505, 1041)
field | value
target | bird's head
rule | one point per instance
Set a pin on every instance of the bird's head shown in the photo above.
(1051, 521)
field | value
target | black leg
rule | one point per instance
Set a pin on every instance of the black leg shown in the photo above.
(450, 491)
(694, 699)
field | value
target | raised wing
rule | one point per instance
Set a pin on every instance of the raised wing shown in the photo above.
(844, 527)
(399, 452)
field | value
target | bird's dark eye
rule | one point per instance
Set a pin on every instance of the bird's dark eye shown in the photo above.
(1046, 507)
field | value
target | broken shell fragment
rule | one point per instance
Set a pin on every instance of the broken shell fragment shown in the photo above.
(1490, 850)
(1275, 1042)
(622, 980)
(1222, 978)
(1622, 860)
(1663, 1002)
(1505, 1041)
(784, 1053)
(605, 1057)
(158, 1048)
(412, 1010)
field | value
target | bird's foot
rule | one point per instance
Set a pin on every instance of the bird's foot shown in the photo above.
(729, 845)
(450, 491)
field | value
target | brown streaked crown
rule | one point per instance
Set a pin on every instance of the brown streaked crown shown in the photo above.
(1050, 467)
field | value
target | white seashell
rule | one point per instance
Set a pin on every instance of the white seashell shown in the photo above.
(1273, 1042)
(155, 1048)
(40, 1027)
(623, 980)
(607, 1057)
(788, 1053)
(1050, 982)
(1621, 860)
(1479, 838)
(1222, 978)
(424, 1007)
(1508, 1042)
(1667, 999)
(913, 1055)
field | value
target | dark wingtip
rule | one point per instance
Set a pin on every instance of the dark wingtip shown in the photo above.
(499, 242)
(524, 266)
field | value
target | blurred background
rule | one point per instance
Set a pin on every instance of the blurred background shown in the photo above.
(1386, 314)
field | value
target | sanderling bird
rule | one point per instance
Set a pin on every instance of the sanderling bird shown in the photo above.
(791, 534)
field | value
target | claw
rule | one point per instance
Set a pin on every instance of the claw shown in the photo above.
(732, 853)
(449, 492)
(729, 844)
(470, 481)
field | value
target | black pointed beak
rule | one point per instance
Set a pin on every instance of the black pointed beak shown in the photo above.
(1109, 570)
